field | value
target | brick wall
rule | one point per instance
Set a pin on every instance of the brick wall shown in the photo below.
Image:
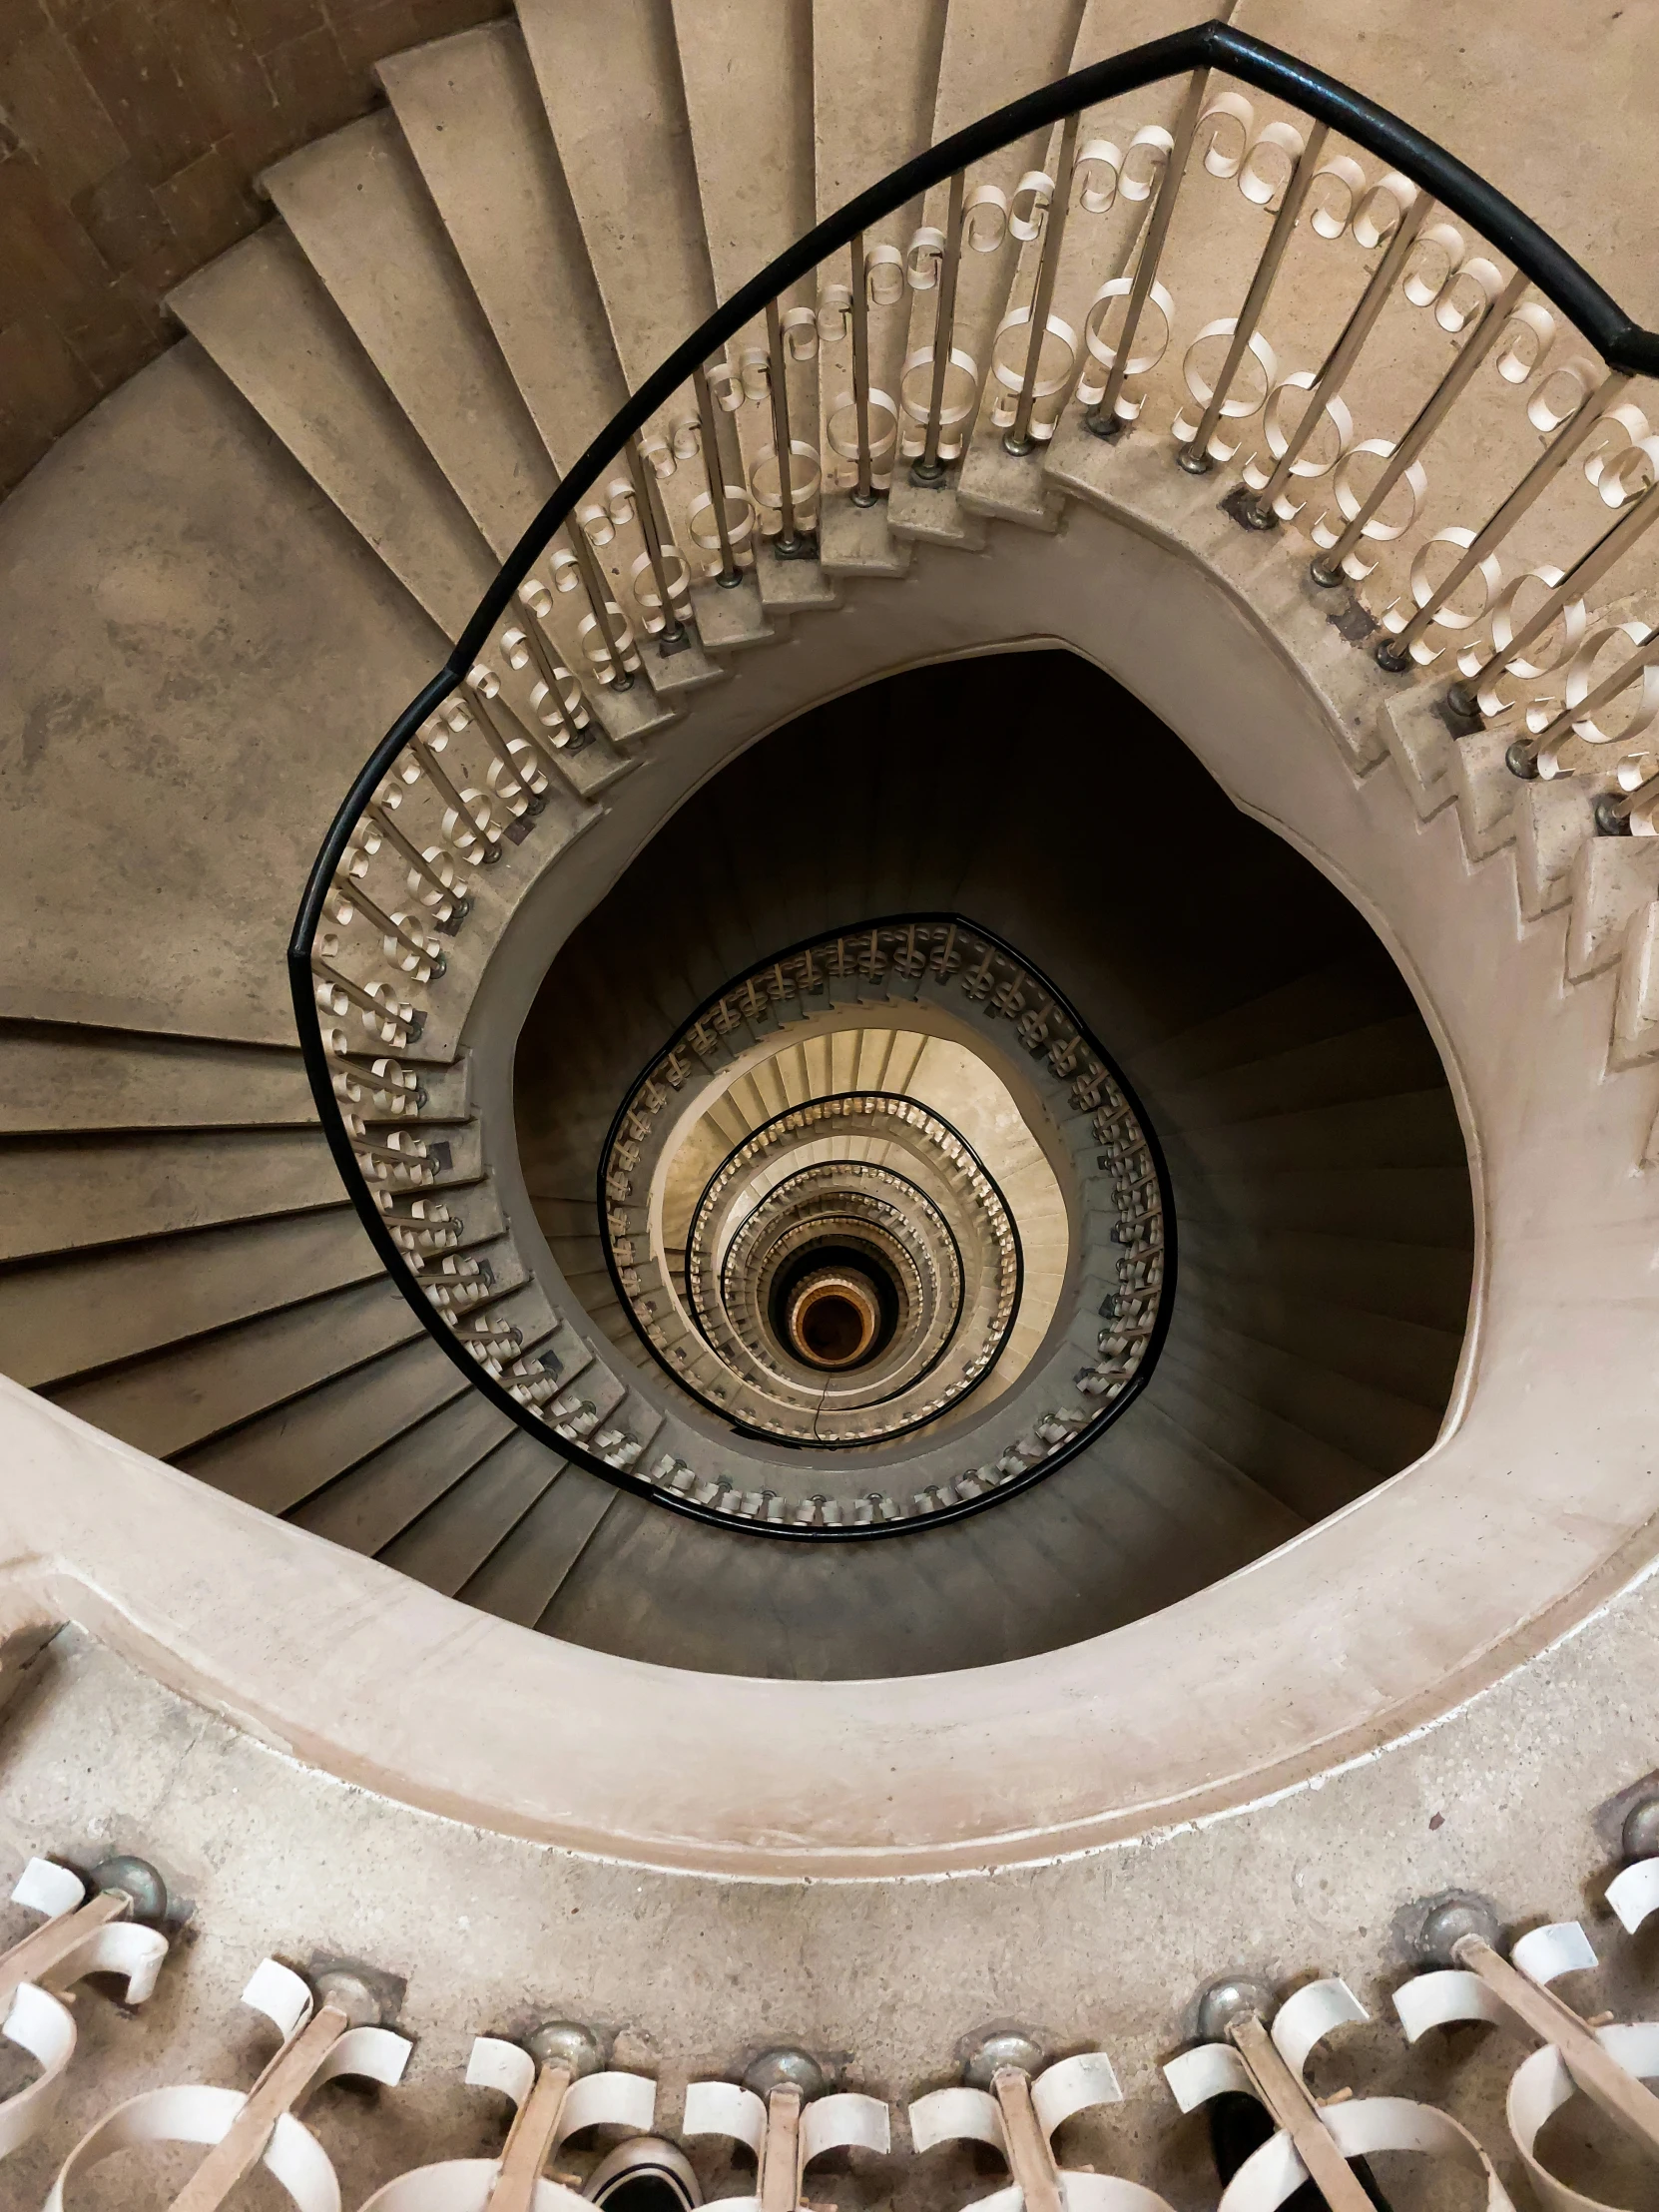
(130, 135)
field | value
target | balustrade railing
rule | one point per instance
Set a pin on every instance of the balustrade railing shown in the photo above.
(1447, 424)
(787, 2109)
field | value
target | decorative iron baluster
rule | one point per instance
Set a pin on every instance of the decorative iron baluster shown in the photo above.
(1102, 419)
(1019, 439)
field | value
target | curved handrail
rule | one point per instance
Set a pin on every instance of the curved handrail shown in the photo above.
(1623, 344)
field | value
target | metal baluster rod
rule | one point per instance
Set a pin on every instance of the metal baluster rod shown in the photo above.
(672, 637)
(1103, 419)
(1328, 567)
(864, 494)
(484, 707)
(714, 474)
(1342, 357)
(790, 543)
(1394, 653)
(1463, 697)
(1195, 457)
(599, 602)
(929, 470)
(1018, 438)
(1525, 754)
(535, 638)
(446, 791)
(452, 894)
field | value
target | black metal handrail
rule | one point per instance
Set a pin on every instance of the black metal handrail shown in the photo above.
(1623, 344)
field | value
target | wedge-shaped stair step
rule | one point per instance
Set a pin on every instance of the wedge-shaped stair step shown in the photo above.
(61, 1194)
(1413, 723)
(1636, 1016)
(731, 616)
(521, 1577)
(1383, 1057)
(453, 1537)
(1306, 1474)
(375, 1501)
(609, 77)
(1486, 789)
(1611, 879)
(856, 541)
(875, 79)
(286, 1455)
(63, 1317)
(366, 223)
(471, 115)
(1330, 1001)
(175, 1400)
(54, 1078)
(264, 318)
(1553, 820)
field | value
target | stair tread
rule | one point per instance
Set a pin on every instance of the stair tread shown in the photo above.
(609, 80)
(172, 1399)
(356, 203)
(265, 318)
(1312, 1477)
(61, 1194)
(282, 1456)
(56, 1077)
(521, 1577)
(471, 115)
(64, 1317)
(378, 1498)
(450, 1541)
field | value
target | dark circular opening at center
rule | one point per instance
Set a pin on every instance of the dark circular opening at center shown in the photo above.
(831, 1328)
(833, 1304)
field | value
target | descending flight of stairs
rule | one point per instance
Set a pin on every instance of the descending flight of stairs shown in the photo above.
(453, 295)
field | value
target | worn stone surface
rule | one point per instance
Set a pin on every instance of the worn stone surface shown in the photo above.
(130, 136)
(1516, 1796)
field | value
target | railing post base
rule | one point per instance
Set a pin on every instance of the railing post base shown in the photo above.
(1392, 656)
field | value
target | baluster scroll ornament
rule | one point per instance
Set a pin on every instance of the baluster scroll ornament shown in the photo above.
(1109, 407)
(1610, 2066)
(256, 2127)
(1566, 408)
(1393, 211)
(787, 2116)
(1201, 448)
(1016, 2113)
(90, 1928)
(556, 2088)
(1314, 2141)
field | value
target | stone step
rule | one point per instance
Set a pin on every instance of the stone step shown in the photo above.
(296, 1451)
(62, 1193)
(379, 1498)
(609, 77)
(69, 1316)
(360, 212)
(56, 1077)
(172, 1401)
(471, 115)
(522, 1576)
(457, 1534)
(262, 315)
(876, 74)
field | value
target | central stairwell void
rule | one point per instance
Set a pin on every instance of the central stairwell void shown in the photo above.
(1253, 1256)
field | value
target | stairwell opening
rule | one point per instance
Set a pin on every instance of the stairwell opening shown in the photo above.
(1320, 1180)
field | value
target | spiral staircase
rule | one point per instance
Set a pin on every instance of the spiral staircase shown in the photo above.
(947, 1173)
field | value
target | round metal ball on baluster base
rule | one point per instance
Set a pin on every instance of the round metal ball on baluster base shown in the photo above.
(787, 2068)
